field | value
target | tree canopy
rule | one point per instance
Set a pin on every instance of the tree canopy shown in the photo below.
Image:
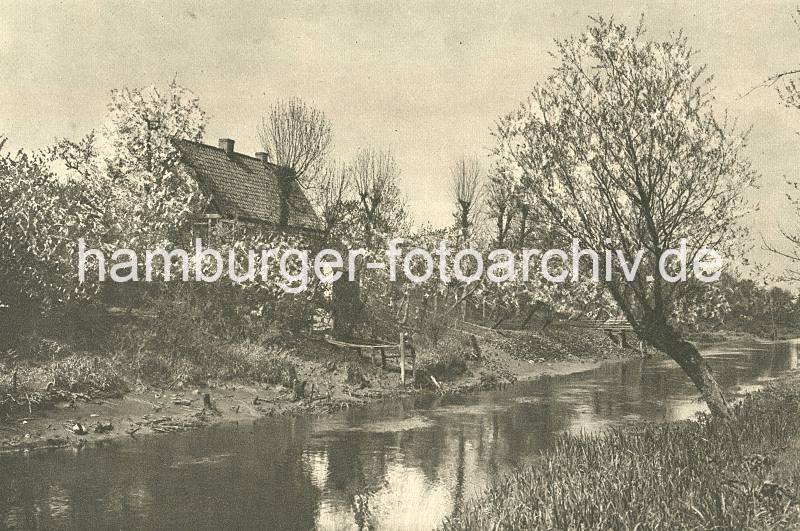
(622, 149)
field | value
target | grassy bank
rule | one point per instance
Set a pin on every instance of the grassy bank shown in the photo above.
(709, 474)
(719, 336)
(42, 364)
(273, 373)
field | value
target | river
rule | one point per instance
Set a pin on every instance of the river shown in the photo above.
(394, 465)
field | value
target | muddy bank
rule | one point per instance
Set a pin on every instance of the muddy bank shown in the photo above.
(330, 386)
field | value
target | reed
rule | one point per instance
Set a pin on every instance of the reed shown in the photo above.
(686, 475)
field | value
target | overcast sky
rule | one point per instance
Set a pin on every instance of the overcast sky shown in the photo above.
(427, 80)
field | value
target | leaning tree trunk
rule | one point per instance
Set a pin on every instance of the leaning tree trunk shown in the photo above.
(688, 357)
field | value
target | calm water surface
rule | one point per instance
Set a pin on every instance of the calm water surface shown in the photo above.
(400, 465)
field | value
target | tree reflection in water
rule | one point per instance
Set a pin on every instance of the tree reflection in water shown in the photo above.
(400, 464)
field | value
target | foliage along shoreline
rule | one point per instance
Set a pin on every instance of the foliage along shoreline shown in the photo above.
(116, 395)
(738, 473)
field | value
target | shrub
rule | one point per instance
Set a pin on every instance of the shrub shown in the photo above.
(36, 348)
(86, 374)
(84, 326)
(444, 362)
(354, 375)
(270, 364)
(436, 329)
(489, 380)
(275, 371)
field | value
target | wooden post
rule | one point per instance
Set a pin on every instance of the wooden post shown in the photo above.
(402, 359)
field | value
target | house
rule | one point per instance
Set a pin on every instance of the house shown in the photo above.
(253, 190)
(248, 189)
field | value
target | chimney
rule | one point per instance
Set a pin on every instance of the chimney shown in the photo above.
(226, 144)
(262, 156)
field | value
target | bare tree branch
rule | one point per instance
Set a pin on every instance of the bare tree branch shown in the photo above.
(375, 175)
(501, 203)
(330, 195)
(466, 189)
(770, 81)
(297, 136)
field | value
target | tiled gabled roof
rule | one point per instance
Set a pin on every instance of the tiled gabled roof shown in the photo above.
(245, 187)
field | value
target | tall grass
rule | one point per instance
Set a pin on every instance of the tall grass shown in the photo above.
(709, 474)
(86, 374)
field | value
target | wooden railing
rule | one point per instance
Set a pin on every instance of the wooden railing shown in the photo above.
(402, 350)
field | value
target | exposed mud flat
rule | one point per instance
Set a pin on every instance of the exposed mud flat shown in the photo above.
(151, 410)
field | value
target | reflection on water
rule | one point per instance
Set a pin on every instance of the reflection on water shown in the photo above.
(398, 465)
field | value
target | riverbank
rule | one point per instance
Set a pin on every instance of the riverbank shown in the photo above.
(720, 336)
(711, 474)
(323, 380)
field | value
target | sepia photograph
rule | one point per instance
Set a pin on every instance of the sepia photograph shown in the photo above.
(425, 265)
